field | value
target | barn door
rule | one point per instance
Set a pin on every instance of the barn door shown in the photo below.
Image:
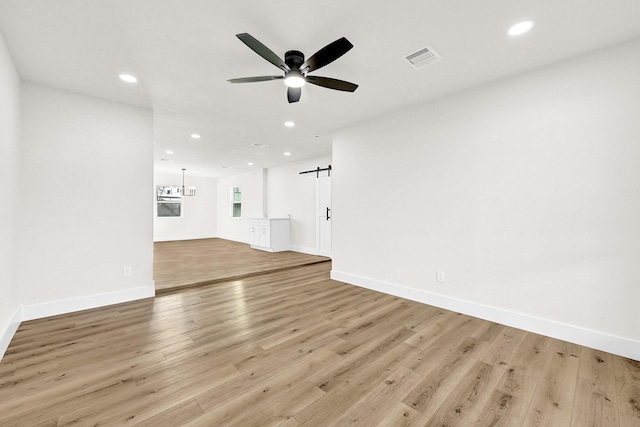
(323, 224)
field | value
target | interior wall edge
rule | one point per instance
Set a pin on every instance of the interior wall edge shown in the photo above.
(589, 338)
(9, 331)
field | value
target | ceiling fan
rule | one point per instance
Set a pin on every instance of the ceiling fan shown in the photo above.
(296, 69)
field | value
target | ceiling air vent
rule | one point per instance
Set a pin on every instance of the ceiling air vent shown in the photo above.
(422, 57)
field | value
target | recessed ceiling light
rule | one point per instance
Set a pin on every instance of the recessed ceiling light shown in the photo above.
(128, 78)
(520, 28)
(289, 124)
(195, 136)
(250, 164)
(286, 153)
(169, 152)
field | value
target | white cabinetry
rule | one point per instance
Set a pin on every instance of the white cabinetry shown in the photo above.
(269, 234)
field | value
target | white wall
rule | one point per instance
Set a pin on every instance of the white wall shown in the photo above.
(289, 193)
(252, 183)
(9, 147)
(199, 213)
(85, 202)
(524, 192)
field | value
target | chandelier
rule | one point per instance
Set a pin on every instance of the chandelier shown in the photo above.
(191, 191)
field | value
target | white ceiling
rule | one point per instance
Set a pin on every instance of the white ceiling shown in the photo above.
(184, 51)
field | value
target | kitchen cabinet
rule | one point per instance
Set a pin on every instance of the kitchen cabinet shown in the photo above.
(269, 234)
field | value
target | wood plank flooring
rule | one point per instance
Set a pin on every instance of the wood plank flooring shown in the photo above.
(293, 348)
(183, 263)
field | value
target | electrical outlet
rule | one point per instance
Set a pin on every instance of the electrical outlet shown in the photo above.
(440, 276)
(126, 271)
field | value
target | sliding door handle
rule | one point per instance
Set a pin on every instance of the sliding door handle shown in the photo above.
(328, 217)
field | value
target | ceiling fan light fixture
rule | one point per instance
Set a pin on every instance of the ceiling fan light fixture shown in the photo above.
(294, 79)
(296, 68)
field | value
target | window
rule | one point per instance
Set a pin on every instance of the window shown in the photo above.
(236, 202)
(169, 201)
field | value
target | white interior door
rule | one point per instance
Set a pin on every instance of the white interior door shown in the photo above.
(324, 214)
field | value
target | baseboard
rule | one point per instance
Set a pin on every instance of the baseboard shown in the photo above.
(182, 237)
(54, 308)
(570, 333)
(9, 331)
(308, 251)
(234, 239)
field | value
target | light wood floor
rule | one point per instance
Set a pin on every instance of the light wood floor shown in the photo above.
(183, 263)
(295, 348)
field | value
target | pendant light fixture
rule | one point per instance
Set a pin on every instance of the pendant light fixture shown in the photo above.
(191, 191)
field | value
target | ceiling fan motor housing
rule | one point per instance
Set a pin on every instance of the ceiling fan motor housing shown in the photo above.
(294, 59)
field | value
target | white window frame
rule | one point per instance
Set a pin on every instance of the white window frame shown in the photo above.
(234, 202)
(166, 194)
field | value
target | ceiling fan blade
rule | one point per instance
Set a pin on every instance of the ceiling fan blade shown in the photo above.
(293, 94)
(326, 55)
(332, 83)
(263, 51)
(255, 79)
